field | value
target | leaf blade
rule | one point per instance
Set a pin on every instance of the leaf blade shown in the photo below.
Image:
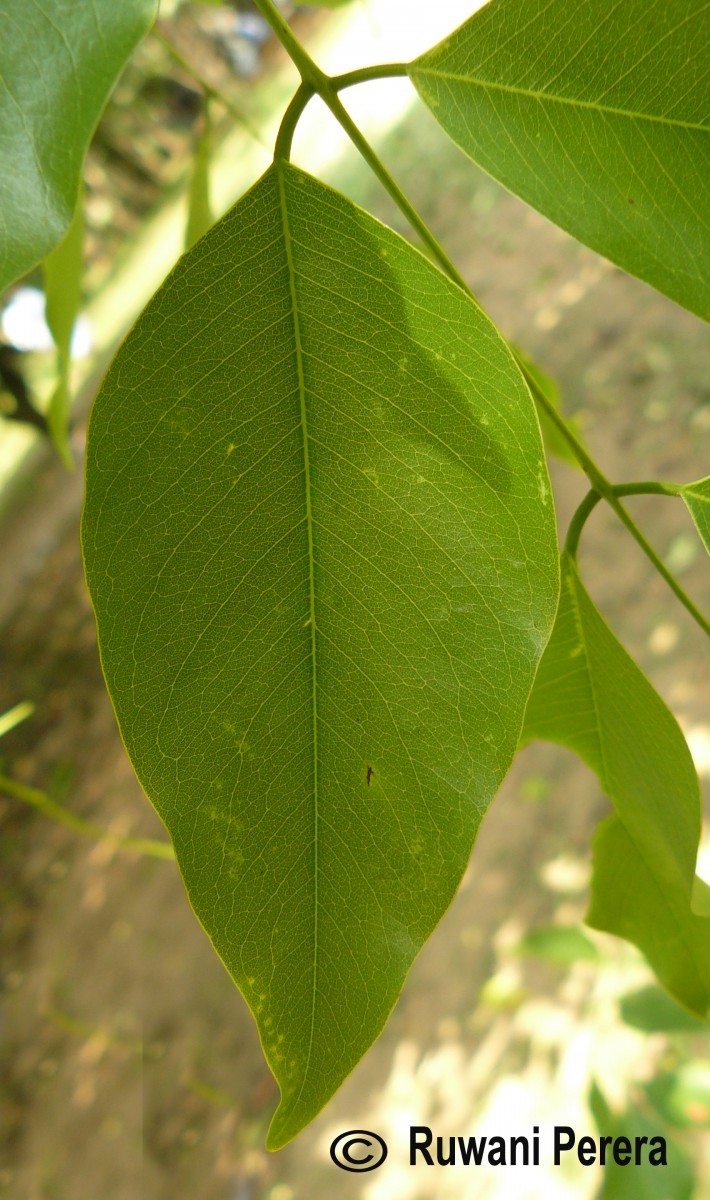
(58, 65)
(594, 133)
(309, 569)
(591, 697)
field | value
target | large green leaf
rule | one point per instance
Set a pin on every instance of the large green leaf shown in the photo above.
(596, 114)
(319, 539)
(59, 60)
(697, 499)
(590, 696)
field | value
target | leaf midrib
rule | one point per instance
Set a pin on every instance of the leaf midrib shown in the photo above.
(529, 94)
(311, 587)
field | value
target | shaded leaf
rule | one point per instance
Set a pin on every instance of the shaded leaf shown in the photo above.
(674, 1181)
(63, 270)
(320, 543)
(626, 900)
(59, 62)
(654, 1011)
(697, 499)
(555, 443)
(590, 696)
(599, 117)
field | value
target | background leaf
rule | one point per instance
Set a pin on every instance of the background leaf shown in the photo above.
(555, 443)
(697, 499)
(199, 210)
(562, 944)
(63, 270)
(59, 62)
(654, 1011)
(675, 1181)
(590, 696)
(598, 115)
(320, 543)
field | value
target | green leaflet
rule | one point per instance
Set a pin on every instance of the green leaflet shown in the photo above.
(63, 269)
(596, 114)
(320, 543)
(697, 499)
(590, 696)
(58, 64)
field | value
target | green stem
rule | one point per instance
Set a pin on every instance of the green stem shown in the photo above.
(50, 808)
(282, 148)
(648, 487)
(406, 208)
(301, 59)
(642, 488)
(209, 91)
(369, 74)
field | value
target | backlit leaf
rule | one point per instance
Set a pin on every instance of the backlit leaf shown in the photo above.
(697, 499)
(596, 114)
(59, 61)
(320, 543)
(590, 696)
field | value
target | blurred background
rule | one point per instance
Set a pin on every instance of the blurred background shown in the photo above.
(131, 1066)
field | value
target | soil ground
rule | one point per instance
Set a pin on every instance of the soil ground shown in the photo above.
(132, 1065)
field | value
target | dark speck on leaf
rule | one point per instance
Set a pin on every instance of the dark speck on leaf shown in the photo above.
(369, 776)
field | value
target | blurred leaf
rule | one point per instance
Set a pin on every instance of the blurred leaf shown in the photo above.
(561, 944)
(555, 443)
(654, 1011)
(14, 716)
(199, 213)
(675, 1181)
(582, 113)
(59, 62)
(697, 499)
(323, 3)
(63, 270)
(682, 1097)
(700, 902)
(322, 552)
(590, 696)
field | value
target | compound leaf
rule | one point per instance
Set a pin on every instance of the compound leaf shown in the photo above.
(59, 61)
(596, 114)
(590, 696)
(320, 543)
(697, 500)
